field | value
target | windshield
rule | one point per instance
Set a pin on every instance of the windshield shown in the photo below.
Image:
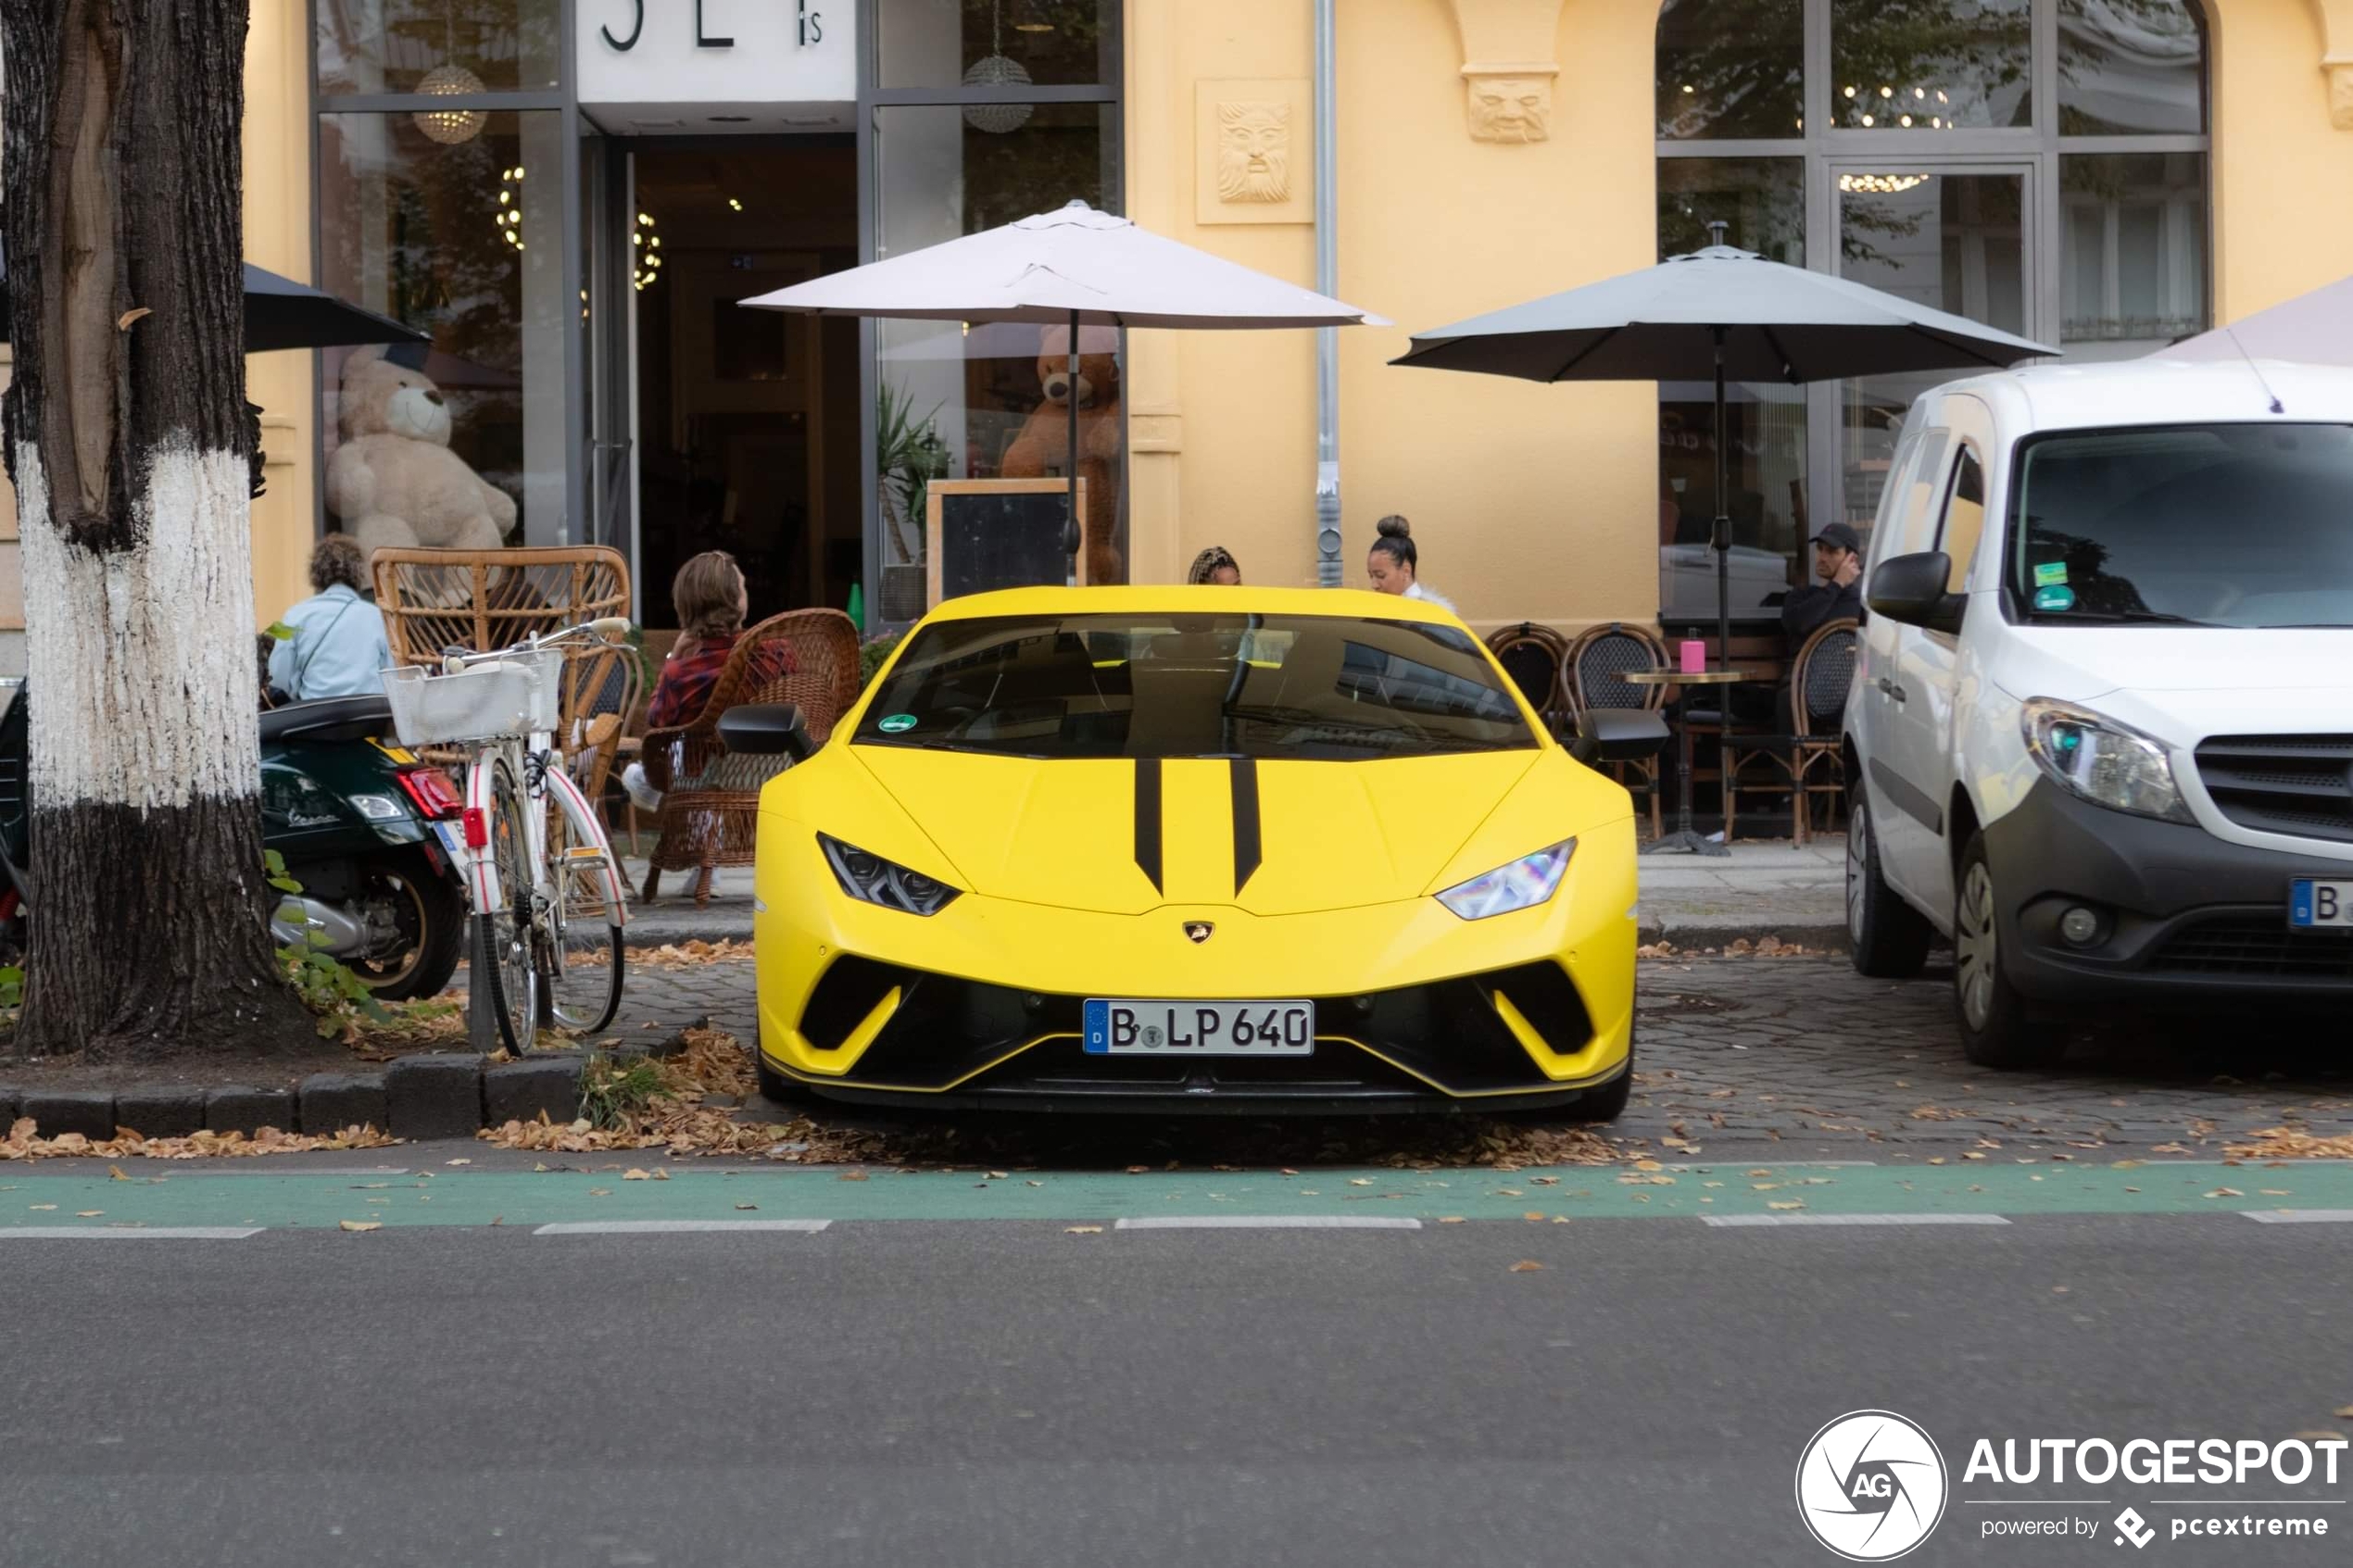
(2208, 525)
(1221, 684)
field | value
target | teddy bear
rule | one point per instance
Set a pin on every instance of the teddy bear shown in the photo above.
(392, 480)
(1042, 447)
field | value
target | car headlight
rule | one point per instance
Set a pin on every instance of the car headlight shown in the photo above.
(1522, 885)
(873, 880)
(2103, 761)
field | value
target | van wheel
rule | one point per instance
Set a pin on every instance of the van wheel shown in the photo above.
(1996, 1030)
(1889, 937)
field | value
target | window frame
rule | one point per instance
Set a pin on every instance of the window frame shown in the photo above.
(1822, 150)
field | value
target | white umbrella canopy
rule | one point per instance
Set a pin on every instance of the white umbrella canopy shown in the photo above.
(1073, 262)
(2312, 328)
(1074, 266)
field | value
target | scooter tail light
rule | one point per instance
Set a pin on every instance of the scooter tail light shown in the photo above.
(477, 828)
(436, 797)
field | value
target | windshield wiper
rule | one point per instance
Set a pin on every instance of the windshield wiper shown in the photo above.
(2120, 617)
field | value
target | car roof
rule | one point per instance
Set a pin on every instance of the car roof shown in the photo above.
(2160, 391)
(1350, 604)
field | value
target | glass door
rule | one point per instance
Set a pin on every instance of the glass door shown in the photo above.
(1955, 237)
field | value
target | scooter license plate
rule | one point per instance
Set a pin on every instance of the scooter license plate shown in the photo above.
(451, 840)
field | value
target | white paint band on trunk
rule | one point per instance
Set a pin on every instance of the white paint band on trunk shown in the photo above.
(150, 649)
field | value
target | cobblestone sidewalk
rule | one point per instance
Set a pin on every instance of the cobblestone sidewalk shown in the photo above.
(1805, 1059)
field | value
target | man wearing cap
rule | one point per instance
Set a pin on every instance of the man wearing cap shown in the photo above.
(1838, 561)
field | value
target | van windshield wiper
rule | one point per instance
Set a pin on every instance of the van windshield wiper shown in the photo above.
(2119, 617)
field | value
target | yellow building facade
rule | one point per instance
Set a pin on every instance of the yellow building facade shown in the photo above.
(2102, 174)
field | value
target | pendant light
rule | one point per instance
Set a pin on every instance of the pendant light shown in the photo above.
(449, 79)
(995, 70)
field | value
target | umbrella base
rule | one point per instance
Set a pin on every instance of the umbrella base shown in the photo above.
(1685, 841)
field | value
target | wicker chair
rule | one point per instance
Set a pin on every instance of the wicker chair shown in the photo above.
(711, 800)
(1590, 672)
(1532, 655)
(1809, 761)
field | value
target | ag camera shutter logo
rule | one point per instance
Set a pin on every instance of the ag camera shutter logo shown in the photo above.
(1871, 1486)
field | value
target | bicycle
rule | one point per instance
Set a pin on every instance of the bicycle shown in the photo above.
(545, 887)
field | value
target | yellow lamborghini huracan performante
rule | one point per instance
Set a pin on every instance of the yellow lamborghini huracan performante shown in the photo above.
(1209, 848)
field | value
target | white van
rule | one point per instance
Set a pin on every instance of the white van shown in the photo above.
(2101, 734)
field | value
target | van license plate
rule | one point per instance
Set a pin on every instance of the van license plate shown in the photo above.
(1179, 1028)
(2320, 905)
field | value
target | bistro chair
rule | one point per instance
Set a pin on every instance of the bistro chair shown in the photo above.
(1589, 672)
(711, 796)
(1532, 655)
(1810, 760)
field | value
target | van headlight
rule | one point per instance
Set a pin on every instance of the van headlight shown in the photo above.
(2108, 763)
(1525, 883)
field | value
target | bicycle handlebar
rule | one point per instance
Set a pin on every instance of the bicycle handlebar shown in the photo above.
(604, 628)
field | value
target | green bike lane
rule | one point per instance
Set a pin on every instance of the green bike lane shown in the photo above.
(293, 1199)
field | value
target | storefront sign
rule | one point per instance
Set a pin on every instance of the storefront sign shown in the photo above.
(717, 52)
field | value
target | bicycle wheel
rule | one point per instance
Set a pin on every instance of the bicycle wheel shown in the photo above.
(503, 967)
(583, 961)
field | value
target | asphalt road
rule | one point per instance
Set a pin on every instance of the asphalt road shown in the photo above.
(946, 1392)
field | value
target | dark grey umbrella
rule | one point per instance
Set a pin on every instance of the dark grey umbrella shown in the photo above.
(281, 313)
(1717, 314)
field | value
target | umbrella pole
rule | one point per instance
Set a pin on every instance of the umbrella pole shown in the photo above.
(1721, 533)
(1071, 534)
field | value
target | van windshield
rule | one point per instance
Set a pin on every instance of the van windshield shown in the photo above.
(2206, 525)
(1217, 684)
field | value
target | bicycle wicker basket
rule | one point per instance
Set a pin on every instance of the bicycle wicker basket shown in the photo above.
(517, 694)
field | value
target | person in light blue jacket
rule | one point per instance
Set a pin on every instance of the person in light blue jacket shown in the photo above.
(338, 647)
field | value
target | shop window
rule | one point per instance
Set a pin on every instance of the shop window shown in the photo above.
(464, 240)
(1930, 64)
(1927, 167)
(986, 402)
(997, 43)
(1730, 67)
(456, 48)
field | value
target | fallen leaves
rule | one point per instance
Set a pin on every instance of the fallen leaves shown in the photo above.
(362, 1224)
(1527, 1266)
(688, 955)
(1082, 1230)
(2226, 1192)
(23, 1141)
(2290, 1143)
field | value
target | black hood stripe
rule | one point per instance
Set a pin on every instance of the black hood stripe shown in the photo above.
(1148, 819)
(1246, 845)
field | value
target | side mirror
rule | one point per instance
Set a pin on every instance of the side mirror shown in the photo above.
(1619, 734)
(1910, 589)
(767, 729)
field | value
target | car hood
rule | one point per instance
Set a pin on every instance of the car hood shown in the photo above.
(1071, 832)
(2077, 664)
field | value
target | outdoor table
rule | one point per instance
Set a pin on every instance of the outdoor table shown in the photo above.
(1684, 838)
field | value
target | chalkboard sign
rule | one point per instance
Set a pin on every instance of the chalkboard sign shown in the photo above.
(989, 533)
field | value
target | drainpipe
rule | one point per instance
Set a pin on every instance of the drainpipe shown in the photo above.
(1327, 284)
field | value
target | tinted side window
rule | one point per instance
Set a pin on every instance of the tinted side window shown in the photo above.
(1964, 519)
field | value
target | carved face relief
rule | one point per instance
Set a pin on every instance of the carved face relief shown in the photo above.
(1510, 108)
(1253, 152)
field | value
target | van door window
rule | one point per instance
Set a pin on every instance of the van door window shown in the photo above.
(1915, 514)
(1964, 519)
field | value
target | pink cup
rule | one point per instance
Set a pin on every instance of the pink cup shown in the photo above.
(1693, 655)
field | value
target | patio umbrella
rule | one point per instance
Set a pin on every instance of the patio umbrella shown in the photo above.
(281, 313)
(1073, 267)
(1718, 314)
(2312, 328)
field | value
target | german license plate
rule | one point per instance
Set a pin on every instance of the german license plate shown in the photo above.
(451, 841)
(1171, 1028)
(2312, 904)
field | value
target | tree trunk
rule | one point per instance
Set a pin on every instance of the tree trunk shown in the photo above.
(124, 433)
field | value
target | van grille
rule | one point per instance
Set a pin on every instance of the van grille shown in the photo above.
(2297, 784)
(2256, 944)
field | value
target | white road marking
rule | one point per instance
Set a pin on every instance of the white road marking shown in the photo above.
(1269, 1221)
(2300, 1216)
(1722, 1220)
(654, 1227)
(128, 1233)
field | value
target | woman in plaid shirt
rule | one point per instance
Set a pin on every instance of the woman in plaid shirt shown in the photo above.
(712, 600)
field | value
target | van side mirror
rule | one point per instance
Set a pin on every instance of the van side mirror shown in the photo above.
(1617, 735)
(767, 729)
(1910, 589)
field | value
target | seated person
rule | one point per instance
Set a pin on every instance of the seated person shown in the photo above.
(1838, 561)
(338, 648)
(712, 600)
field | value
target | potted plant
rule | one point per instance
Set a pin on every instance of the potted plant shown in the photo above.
(908, 455)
